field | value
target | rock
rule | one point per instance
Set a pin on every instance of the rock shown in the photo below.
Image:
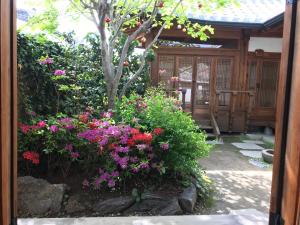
(74, 204)
(113, 205)
(188, 198)
(37, 196)
(173, 208)
(155, 204)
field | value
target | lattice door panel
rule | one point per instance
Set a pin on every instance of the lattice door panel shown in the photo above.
(166, 70)
(223, 79)
(203, 78)
(185, 75)
(266, 95)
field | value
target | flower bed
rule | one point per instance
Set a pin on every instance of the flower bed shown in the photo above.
(143, 142)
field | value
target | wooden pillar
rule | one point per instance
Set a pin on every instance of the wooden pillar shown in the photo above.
(285, 196)
(8, 113)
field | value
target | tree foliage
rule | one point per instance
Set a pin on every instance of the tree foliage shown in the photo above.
(82, 86)
(136, 19)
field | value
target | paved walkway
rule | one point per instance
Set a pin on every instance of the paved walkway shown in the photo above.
(239, 184)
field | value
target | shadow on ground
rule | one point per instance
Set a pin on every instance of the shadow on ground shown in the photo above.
(238, 184)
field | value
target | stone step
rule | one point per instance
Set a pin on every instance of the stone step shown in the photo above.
(206, 127)
(211, 136)
(240, 218)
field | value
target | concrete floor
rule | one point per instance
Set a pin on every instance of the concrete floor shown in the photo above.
(248, 217)
(239, 184)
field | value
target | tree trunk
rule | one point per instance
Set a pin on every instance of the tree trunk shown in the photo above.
(112, 90)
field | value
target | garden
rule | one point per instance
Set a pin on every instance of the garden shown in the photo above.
(95, 139)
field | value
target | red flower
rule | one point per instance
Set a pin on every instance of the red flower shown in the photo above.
(107, 20)
(84, 118)
(161, 5)
(32, 156)
(134, 131)
(143, 138)
(130, 142)
(158, 131)
(112, 146)
(94, 125)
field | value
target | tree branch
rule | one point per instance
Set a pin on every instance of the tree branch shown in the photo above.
(130, 39)
(140, 70)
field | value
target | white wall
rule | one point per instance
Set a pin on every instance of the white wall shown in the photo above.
(266, 44)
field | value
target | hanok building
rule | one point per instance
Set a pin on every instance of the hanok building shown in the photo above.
(230, 81)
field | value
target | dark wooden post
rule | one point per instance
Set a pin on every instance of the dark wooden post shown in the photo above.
(232, 109)
(251, 96)
(183, 91)
(8, 113)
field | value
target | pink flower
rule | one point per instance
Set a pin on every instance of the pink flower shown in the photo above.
(41, 124)
(164, 146)
(135, 170)
(69, 147)
(144, 165)
(59, 72)
(107, 115)
(115, 174)
(111, 183)
(24, 128)
(46, 61)
(75, 155)
(54, 129)
(158, 131)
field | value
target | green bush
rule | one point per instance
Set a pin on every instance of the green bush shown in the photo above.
(84, 84)
(186, 142)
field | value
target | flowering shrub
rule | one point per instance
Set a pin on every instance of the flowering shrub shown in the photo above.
(50, 144)
(117, 152)
(185, 142)
(123, 151)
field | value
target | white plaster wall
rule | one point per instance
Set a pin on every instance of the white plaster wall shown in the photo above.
(266, 44)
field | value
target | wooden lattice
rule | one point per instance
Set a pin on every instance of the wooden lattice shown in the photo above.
(185, 74)
(166, 70)
(268, 84)
(202, 91)
(223, 79)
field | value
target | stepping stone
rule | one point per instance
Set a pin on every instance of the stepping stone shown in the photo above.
(254, 142)
(252, 154)
(247, 146)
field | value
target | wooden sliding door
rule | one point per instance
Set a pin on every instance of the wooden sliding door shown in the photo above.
(263, 72)
(207, 81)
(8, 115)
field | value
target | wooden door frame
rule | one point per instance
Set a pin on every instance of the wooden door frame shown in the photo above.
(284, 103)
(8, 120)
(8, 112)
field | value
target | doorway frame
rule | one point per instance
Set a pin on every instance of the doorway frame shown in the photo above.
(8, 120)
(8, 112)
